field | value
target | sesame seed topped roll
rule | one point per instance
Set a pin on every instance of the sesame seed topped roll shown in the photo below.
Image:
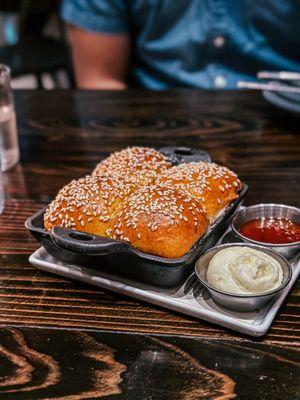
(134, 166)
(86, 204)
(159, 220)
(213, 185)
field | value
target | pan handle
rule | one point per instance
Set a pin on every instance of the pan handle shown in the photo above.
(184, 154)
(81, 242)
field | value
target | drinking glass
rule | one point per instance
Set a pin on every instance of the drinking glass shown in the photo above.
(2, 193)
(9, 147)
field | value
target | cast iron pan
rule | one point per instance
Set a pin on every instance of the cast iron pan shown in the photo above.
(120, 258)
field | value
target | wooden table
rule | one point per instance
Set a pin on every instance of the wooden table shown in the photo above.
(61, 339)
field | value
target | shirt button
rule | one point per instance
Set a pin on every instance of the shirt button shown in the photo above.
(219, 41)
(220, 81)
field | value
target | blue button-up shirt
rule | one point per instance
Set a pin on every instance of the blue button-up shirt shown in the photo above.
(197, 43)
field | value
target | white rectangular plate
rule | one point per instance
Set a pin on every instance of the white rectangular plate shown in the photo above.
(191, 299)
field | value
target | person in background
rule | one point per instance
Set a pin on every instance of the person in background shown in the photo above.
(160, 44)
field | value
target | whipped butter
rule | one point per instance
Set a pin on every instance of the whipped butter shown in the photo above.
(244, 270)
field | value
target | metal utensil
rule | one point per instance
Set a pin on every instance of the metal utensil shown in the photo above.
(270, 86)
(279, 75)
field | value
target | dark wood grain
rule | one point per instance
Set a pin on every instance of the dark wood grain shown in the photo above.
(75, 365)
(62, 136)
(29, 297)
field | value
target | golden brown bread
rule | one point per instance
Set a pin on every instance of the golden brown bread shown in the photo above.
(213, 185)
(86, 204)
(134, 166)
(135, 195)
(159, 220)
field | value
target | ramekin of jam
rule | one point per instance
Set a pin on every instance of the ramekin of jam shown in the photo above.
(276, 226)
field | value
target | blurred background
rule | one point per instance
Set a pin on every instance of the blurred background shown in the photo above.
(33, 43)
(119, 44)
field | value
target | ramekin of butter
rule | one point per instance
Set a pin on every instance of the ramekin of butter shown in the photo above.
(243, 277)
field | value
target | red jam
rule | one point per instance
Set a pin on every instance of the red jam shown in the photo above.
(271, 230)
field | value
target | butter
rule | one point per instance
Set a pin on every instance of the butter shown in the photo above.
(244, 270)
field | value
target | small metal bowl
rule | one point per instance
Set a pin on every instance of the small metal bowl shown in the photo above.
(288, 250)
(241, 302)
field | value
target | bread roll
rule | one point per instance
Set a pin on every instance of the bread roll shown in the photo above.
(86, 204)
(134, 166)
(135, 195)
(159, 220)
(211, 184)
